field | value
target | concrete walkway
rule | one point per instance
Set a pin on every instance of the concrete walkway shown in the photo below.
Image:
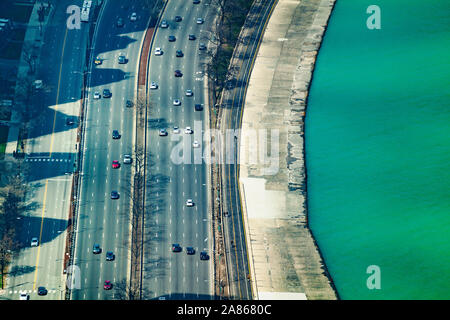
(285, 259)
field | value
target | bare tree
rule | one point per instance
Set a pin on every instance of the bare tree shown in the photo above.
(29, 55)
(7, 246)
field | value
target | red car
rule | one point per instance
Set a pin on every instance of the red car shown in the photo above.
(107, 285)
(115, 164)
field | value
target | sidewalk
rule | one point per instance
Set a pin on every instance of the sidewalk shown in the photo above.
(34, 36)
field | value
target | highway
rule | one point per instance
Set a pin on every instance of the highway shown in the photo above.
(172, 179)
(103, 220)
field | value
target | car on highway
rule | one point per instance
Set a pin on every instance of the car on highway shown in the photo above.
(107, 285)
(172, 38)
(204, 255)
(201, 46)
(195, 1)
(122, 59)
(179, 54)
(24, 296)
(119, 23)
(116, 164)
(110, 256)
(189, 93)
(133, 16)
(176, 247)
(42, 291)
(163, 132)
(107, 93)
(115, 134)
(189, 203)
(98, 61)
(115, 195)
(69, 121)
(97, 95)
(127, 159)
(178, 18)
(176, 130)
(164, 24)
(190, 250)
(199, 20)
(188, 130)
(153, 85)
(158, 52)
(176, 102)
(34, 242)
(191, 37)
(178, 73)
(129, 104)
(195, 144)
(198, 107)
(96, 249)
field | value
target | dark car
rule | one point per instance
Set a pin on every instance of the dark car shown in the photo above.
(122, 60)
(172, 38)
(107, 285)
(129, 104)
(107, 93)
(190, 250)
(178, 18)
(176, 247)
(179, 53)
(42, 291)
(198, 107)
(69, 121)
(192, 37)
(204, 256)
(196, 1)
(178, 73)
(119, 22)
(114, 195)
(115, 134)
(96, 249)
(201, 46)
(110, 256)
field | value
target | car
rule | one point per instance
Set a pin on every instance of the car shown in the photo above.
(190, 250)
(189, 203)
(115, 195)
(96, 249)
(129, 104)
(107, 93)
(176, 130)
(115, 164)
(178, 73)
(133, 16)
(189, 93)
(199, 20)
(195, 144)
(198, 107)
(201, 46)
(164, 24)
(122, 59)
(204, 255)
(179, 54)
(110, 256)
(176, 247)
(163, 133)
(158, 52)
(191, 37)
(196, 1)
(98, 61)
(24, 296)
(69, 121)
(34, 242)
(176, 102)
(188, 130)
(127, 159)
(153, 85)
(42, 291)
(119, 23)
(107, 285)
(115, 134)
(172, 38)
(178, 18)
(97, 95)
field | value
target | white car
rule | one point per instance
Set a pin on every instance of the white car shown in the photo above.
(133, 16)
(97, 95)
(176, 102)
(34, 242)
(127, 158)
(153, 85)
(24, 296)
(163, 132)
(196, 144)
(176, 130)
(189, 203)
(158, 52)
(199, 20)
(164, 24)
(188, 130)
(189, 93)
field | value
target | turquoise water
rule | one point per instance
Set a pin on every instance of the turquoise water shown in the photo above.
(378, 149)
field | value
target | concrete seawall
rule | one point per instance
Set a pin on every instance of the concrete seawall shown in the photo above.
(285, 260)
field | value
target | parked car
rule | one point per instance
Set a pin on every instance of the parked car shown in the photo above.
(129, 104)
